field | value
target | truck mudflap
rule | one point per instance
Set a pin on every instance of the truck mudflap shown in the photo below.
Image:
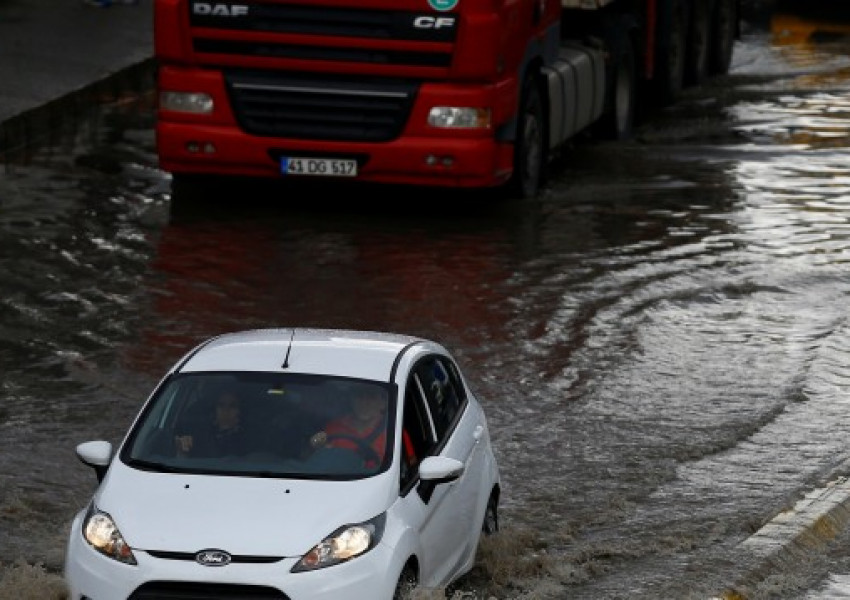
(576, 86)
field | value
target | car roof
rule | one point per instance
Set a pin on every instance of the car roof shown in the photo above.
(342, 352)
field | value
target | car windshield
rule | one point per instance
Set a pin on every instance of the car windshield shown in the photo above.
(265, 425)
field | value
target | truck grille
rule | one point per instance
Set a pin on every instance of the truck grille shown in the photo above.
(362, 55)
(216, 29)
(320, 108)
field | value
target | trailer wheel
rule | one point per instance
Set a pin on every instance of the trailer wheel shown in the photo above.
(530, 143)
(670, 50)
(724, 31)
(699, 43)
(619, 120)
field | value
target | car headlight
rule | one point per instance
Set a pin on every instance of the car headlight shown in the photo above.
(101, 532)
(345, 543)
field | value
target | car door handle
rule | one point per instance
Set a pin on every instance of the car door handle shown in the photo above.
(477, 433)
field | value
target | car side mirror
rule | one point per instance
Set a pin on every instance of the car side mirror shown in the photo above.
(439, 469)
(435, 470)
(96, 455)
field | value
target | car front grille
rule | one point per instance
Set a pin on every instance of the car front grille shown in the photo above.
(180, 590)
(305, 106)
(239, 558)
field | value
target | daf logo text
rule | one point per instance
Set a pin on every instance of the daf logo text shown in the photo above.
(429, 22)
(220, 9)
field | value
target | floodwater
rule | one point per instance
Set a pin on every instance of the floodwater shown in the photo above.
(661, 339)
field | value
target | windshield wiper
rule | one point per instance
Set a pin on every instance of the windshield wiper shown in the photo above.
(149, 465)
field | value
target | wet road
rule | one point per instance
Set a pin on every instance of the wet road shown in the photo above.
(661, 340)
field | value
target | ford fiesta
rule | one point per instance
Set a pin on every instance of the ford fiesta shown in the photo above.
(291, 464)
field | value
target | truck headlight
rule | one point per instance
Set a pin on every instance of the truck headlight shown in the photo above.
(190, 102)
(459, 117)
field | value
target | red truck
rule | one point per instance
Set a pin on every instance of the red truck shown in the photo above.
(454, 93)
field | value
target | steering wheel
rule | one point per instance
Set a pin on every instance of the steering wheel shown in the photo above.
(362, 447)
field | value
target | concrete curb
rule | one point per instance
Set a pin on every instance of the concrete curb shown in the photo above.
(793, 535)
(42, 124)
(49, 49)
(57, 57)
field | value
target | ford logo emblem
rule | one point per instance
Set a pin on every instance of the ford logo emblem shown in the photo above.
(212, 558)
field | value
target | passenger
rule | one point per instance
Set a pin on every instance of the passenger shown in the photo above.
(363, 429)
(219, 433)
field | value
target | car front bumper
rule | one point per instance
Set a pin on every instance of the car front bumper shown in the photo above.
(90, 575)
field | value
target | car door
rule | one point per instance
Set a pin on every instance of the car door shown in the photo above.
(438, 423)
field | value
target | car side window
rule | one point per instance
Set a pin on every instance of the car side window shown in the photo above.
(443, 390)
(419, 439)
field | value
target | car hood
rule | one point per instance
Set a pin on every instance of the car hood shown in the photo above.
(241, 515)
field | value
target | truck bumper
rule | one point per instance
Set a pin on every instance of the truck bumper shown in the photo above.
(214, 143)
(205, 149)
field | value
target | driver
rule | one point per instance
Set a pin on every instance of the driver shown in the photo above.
(363, 429)
(218, 433)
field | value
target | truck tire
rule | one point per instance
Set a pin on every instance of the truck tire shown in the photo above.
(196, 196)
(699, 43)
(670, 50)
(187, 195)
(618, 122)
(724, 31)
(530, 143)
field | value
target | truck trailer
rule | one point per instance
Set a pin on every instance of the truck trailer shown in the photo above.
(451, 93)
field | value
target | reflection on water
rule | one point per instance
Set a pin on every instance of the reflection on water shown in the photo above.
(696, 365)
(794, 169)
(661, 339)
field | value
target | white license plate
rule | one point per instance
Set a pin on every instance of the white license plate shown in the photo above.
(328, 167)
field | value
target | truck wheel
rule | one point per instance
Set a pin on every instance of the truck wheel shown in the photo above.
(618, 122)
(699, 43)
(530, 144)
(187, 196)
(670, 50)
(724, 31)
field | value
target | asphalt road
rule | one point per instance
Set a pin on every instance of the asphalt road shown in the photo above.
(612, 257)
(52, 48)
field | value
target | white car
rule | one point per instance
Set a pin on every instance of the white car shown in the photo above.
(291, 464)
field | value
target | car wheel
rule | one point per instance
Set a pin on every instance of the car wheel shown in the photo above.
(491, 516)
(407, 582)
(530, 143)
